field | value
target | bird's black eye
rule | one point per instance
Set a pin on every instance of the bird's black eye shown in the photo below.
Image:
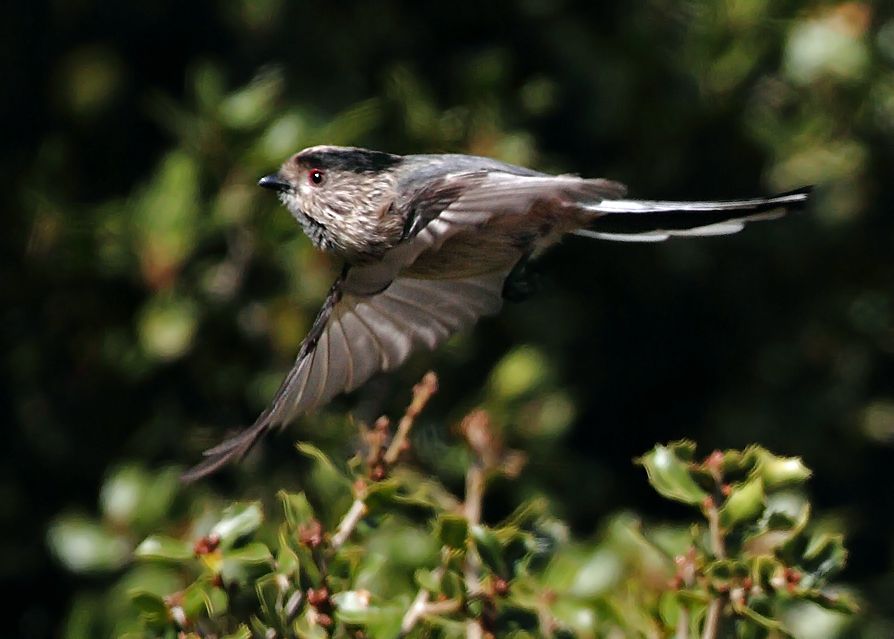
(315, 176)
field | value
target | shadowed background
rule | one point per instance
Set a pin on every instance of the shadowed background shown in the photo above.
(153, 296)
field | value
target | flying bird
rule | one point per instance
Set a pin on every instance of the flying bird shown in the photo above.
(431, 243)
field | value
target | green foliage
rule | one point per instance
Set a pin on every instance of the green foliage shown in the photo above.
(397, 562)
(153, 296)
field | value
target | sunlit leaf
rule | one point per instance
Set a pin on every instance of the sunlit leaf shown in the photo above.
(83, 545)
(242, 632)
(669, 475)
(253, 553)
(237, 521)
(162, 548)
(781, 471)
(297, 509)
(745, 503)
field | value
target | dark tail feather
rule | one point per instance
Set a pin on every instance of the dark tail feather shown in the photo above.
(229, 450)
(654, 220)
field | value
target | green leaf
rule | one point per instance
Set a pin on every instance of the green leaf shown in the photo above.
(318, 456)
(737, 465)
(669, 475)
(219, 601)
(242, 632)
(683, 449)
(669, 608)
(824, 556)
(304, 629)
(269, 592)
(238, 521)
(162, 548)
(781, 471)
(253, 553)
(196, 601)
(133, 496)
(523, 370)
(744, 504)
(353, 606)
(83, 545)
(762, 570)
(761, 620)
(381, 495)
(575, 614)
(490, 550)
(723, 574)
(385, 624)
(428, 580)
(838, 602)
(452, 531)
(297, 509)
(152, 608)
(287, 561)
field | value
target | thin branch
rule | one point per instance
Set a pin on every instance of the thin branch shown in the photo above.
(712, 620)
(418, 608)
(682, 631)
(348, 523)
(422, 392)
(718, 547)
(474, 630)
(686, 574)
(446, 607)
(476, 478)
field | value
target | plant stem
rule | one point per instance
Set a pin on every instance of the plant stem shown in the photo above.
(422, 392)
(348, 523)
(475, 480)
(682, 631)
(718, 547)
(420, 606)
(712, 620)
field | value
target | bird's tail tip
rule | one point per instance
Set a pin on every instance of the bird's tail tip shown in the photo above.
(228, 451)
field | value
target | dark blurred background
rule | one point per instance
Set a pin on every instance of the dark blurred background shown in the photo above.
(153, 296)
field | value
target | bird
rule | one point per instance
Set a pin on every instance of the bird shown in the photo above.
(429, 244)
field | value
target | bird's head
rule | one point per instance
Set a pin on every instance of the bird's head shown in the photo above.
(341, 196)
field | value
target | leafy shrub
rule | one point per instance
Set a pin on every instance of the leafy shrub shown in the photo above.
(376, 548)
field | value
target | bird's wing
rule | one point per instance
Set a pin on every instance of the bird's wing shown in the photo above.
(376, 315)
(463, 201)
(355, 336)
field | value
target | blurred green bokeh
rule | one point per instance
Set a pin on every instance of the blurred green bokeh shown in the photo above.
(153, 297)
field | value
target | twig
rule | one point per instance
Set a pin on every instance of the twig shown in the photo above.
(479, 435)
(712, 620)
(348, 523)
(718, 547)
(422, 392)
(686, 575)
(475, 479)
(682, 631)
(419, 607)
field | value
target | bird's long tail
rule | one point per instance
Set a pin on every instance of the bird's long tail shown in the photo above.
(655, 220)
(229, 450)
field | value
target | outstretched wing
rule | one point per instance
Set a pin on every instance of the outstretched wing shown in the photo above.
(376, 315)
(355, 336)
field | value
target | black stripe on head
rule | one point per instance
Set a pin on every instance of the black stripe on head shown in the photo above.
(351, 159)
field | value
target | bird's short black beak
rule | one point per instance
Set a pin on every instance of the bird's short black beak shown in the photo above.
(274, 182)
